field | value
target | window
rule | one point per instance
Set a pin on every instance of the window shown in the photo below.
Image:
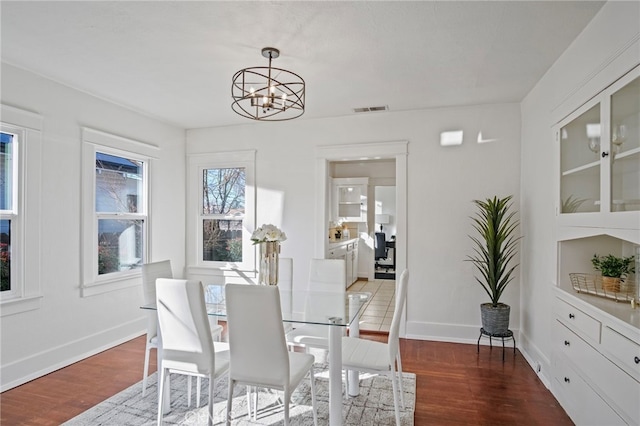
(8, 207)
(223, 202)
(20, 146)
(221, 186)
(115, 211)
(121, 220)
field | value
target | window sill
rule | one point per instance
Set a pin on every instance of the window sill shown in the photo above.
(113, 284)
(19, 305)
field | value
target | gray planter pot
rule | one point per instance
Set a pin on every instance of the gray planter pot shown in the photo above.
(495, 320)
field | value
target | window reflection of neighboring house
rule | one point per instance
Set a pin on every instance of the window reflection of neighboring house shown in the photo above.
(117, 178)
(117, 181)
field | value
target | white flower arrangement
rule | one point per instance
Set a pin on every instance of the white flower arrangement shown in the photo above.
(268, 233)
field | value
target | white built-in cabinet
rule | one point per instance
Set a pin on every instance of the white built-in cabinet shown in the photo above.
(600, 158)
(347, 250)
(595, 355)
(349, 199)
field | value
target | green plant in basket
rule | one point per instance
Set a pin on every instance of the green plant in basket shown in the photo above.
(614, 269)
(613, 266)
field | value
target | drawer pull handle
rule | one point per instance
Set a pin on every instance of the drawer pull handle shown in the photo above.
(566, 343)
(571, 316)
(566, 380)
(636, 360)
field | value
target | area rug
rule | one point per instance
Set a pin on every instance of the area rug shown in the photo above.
(374, 405)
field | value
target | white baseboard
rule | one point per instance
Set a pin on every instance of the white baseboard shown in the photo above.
(19, 372)
(454, 333)
(538, 361)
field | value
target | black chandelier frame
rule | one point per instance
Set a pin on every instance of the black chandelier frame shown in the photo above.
(268, 93)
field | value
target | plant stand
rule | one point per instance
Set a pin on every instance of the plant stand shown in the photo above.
(508, 335)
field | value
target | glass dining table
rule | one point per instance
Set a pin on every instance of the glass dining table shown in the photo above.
(343, 312)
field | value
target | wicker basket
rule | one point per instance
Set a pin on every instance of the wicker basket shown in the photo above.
(592, 284)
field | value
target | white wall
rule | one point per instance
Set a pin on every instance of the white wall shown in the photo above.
(442, 182)
(597, 56)
(68, 327)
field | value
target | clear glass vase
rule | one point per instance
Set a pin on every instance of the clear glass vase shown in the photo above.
(269, 252)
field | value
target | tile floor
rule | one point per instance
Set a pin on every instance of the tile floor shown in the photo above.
(378, 312)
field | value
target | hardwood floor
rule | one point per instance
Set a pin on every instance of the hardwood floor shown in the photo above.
(455, 386)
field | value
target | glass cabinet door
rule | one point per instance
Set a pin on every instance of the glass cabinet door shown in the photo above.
(580, 162)
(349, 201)
(625, 147)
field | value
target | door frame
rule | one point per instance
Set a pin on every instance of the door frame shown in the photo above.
(325, 154)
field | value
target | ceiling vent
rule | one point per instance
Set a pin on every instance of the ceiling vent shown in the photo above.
(371, 109)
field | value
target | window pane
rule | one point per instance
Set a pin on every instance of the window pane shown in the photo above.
(6, 171)
(118, 184)
(222, 240)
(5, 255)
(119, 245)
(223, 191)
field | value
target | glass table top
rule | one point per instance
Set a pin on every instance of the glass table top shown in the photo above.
(320, 307)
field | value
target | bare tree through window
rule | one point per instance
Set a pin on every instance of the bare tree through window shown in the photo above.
(223, 209)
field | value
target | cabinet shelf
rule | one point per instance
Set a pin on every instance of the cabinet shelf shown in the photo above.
(584, 167)
(595, 164)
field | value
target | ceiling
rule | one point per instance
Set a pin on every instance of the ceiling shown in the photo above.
(173, 60)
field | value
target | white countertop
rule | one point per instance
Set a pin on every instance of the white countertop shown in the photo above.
(338, 243)
(619, 310)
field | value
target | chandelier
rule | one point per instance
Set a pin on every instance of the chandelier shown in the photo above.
(266, 93)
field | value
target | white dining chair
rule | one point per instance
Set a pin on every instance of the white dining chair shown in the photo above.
(150, 273)
(379, 357)
(285, 285)
(258, 348)
(325, 275)
(187, 345)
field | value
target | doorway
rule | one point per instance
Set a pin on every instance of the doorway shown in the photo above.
(396, 151)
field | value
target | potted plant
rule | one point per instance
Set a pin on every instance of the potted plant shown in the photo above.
(614, 269)
(494, 249)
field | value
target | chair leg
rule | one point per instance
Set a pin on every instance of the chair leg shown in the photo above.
(255, 403)
(248, 401)
(211, 398)
(286, 406)
(346, 384)
(230, 401)
(198, 385)
(163, 382)
(399, 371)
(145, 372)
(188, 391)
(394, 385)
(314, 405)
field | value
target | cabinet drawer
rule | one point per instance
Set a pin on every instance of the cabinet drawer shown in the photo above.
(337, 253)
(580, 401)
(577, 320)
(620, 390)
(625, 351)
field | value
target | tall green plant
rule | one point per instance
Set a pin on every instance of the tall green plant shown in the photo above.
(496, 245)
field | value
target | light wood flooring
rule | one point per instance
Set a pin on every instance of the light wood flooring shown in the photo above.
(378, 312)
(455, 386)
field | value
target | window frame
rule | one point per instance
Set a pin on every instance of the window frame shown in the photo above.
(25, 294)
(95, 141)
(197, 164)
(15, 213)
